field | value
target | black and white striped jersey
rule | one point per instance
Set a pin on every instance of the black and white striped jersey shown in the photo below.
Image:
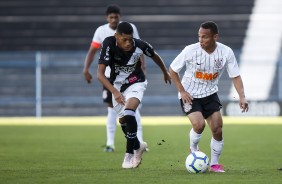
(203, 70)
(125, 66)
(105, 31)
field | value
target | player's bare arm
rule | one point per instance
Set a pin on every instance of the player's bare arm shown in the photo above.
(143, 64)
(103, 79)
(238, 84)
(158, 60)
(88, 61)
(185, 96)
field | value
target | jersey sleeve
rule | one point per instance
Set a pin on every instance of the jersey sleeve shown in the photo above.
(232, 65)
(97, 38)
(105, 56)
(135, 32)
(179, 62)
(147, 49)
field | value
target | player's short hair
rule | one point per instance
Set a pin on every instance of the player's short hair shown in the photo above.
(113, 8)
(210, 25)
(124, 28)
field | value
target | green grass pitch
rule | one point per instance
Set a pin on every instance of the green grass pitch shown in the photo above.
(58, 152)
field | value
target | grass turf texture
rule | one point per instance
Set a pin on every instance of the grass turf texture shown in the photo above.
(72, 151)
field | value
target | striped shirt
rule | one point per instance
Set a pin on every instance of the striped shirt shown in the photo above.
(125, 65)
(203, 70)
(103, 32)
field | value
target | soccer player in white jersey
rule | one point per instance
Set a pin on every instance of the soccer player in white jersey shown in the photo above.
(205, 62)
(127, 83)
(109, 29)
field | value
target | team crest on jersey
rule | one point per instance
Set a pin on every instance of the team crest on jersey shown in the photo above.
(218, 63)
(134, 59)
(187, 107)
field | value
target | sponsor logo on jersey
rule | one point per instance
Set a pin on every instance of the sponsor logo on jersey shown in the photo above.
(107, 58)
(132, 79)
(147, 52)
(206, 76)
(125, 69)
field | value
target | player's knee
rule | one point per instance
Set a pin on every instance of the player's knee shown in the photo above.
(199, 127)
(121, 120)
(217, 131)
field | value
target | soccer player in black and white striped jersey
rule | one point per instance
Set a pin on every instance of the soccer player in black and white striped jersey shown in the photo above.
(127, 83)
(205, 62)
(113, 16)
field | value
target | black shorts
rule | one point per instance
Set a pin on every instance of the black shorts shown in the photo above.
(207, 105)
(107, 95)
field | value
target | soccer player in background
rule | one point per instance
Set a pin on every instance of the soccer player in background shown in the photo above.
(205, 62)
(109, 29)
(127, 83)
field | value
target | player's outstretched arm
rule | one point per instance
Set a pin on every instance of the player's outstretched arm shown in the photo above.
(103, 79)
(87, 63)
(238, 84)
(158, 60)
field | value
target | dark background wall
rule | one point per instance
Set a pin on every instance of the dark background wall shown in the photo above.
(62, 30)
(70, 24)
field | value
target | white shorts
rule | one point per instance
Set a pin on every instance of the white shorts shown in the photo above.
(135, 90)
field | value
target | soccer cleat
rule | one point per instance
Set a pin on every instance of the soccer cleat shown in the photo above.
(109, 149)
(127, 161)
(217, 168)
(138, 154)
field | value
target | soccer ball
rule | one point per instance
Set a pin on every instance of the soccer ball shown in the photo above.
(197, 162)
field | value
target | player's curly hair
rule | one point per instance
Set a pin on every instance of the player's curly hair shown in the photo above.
(113, 8)
(210, 25)
(124, 28)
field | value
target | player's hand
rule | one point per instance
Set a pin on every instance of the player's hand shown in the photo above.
(244, 105)
(87, 76)
(167, 78)
(119, 97)
(186, 97)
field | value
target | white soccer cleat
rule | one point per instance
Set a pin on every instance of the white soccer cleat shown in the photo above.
(138, 154)
(128, 161)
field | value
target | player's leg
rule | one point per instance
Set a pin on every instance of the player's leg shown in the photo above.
(139, 125)
(129, 128)
(133, 96)
(131, 124)
(111, 121)
(197, 120)
(214, 120)
(198, 125)
(133, 143)
(215, 124)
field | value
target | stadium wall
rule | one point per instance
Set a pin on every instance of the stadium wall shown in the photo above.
(65, 93)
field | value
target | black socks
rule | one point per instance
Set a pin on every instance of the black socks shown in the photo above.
(129, 128)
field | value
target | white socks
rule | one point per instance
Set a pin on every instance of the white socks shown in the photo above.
(216, 149)
(194, 140)
(111, 126)
(139, 126)
(216, 146)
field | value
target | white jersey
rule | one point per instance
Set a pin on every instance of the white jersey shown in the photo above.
(203, 70)
(103, 32)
